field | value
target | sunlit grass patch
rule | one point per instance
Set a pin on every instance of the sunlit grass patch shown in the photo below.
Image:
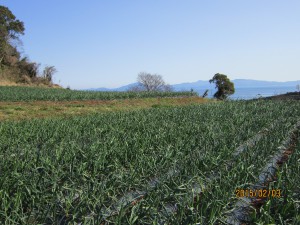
(44, 109)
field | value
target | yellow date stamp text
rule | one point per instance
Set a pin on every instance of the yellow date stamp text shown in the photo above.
(258, 193)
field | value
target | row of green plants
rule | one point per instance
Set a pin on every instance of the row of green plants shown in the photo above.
(261, 173)
(284, 210)
(15, 93)
(178, 201)
(59, 171)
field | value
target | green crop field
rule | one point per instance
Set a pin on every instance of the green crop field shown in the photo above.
(11, 93)
(177, 165)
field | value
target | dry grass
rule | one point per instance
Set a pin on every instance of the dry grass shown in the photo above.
(44, 109)
(10, 78)
(8, 83)
(12, 83)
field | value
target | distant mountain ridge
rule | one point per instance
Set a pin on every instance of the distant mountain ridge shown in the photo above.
(122, 88)
(201, 84)
(240, 83)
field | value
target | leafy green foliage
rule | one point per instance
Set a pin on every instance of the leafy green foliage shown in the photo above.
(60, 171)
(10, 29)
(12, 66)
(284, 210)
(58, 94)
(224, 85)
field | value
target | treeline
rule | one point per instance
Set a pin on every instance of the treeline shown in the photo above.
(13, 67)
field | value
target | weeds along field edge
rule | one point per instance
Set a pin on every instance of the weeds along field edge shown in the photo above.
(71, 170)
(12, 93)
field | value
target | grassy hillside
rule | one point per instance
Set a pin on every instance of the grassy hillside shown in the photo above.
(9, 79)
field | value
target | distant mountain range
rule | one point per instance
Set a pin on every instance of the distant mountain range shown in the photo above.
(122, 88)
(201, 85)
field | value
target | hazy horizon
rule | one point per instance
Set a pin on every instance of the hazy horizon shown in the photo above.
(240, 85)
(107, 43)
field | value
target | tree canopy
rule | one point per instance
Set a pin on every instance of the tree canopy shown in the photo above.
(10, 29)
(12, 66)
(224, 85)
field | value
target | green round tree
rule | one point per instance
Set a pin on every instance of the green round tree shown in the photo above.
(10, 29)
(224, 85)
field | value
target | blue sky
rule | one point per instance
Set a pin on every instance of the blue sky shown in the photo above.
(97, 43)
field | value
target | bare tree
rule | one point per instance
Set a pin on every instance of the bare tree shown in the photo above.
(48, 72)
(151, 82)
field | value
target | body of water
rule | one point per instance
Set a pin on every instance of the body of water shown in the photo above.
(253, 92)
